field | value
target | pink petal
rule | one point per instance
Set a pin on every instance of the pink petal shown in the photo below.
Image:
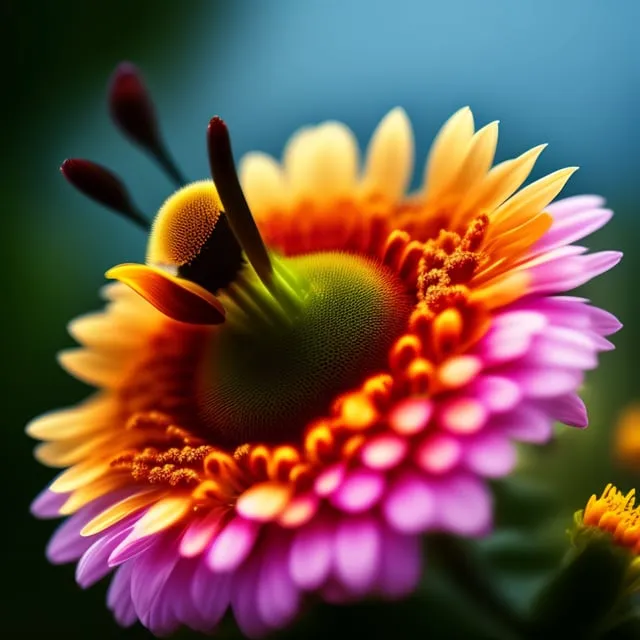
(401, 565)
(568, 409)
(410, 505)
(93, 565)
(329, 480)
(438, 453)
(497, 393)
(211, 593)
(490, 455)
(360, 490)
(463, 505)
(411, 416)
(183, 603)
(278, 596)
(569, 272)
(310, 554)
(130, 547)
(48, 504)
(568, 229)
(462, 415)
(546, 382)
(150, 572)
(527, 424)
(199, 534)
(119, 597)
(575, 204)
(244, 599)
(357, 553)
(233, 545)
(384, 452)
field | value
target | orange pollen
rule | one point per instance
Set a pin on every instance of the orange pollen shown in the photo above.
(174, 466)
(616, 514)
(448, 263)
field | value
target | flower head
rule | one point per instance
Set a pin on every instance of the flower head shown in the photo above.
(613, 513)
(312, 370)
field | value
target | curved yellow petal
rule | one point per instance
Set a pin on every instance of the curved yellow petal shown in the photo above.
(448, 151)
(390, 157)
(177, 298)
(263, 184)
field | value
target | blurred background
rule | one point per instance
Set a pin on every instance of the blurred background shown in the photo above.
(566, 73)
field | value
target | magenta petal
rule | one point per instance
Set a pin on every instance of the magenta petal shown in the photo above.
(568, 409)
(357, 553)
(48, 504)
(401, 564)
(497, 393)
(183, 602)
(66, 544)
(603, 322)
(527, 424)
(570, 228)
(547, 382)
(563, 348)
(211, 593)
(278, 596)
(119, 597)
(490, 454)
(150, 572)
(244, 599)
(310, 554)
(464, 505)
(359, 491)
(130, 547)
(410, 505)
(233, 544)
(93, 565)
(560, 209)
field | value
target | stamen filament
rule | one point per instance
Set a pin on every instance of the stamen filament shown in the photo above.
(240, 219)
(103, 186)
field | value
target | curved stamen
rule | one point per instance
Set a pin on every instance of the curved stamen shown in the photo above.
(235, 205)
(103, 186)
(133, 112)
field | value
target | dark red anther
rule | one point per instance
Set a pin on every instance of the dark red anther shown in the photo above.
(133, 112)
(103, 186)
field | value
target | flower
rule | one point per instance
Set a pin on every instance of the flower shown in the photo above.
(627, 436)
(613, 514)
(297, 385)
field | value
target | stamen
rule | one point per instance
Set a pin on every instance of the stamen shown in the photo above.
(235, 205)
(103, 186)
(133, 112)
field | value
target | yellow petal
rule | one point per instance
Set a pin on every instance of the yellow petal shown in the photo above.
(448, 152)
(390, 157)
(97, 369)
(530, 201)
(63, 453)
(177, 298)
(94, 414)
(120, 510)
(478, 161)
(503, 291)
(502, 181)
(102, 331)
(91, 492)
(322, 163)
(263, 184)
(163, 514)
(79, 475)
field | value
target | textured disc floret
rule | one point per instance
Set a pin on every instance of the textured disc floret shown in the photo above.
(262, 381)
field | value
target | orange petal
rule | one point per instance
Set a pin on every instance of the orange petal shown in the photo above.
(176, 298)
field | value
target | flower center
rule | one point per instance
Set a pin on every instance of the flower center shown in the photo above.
(265, 376)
